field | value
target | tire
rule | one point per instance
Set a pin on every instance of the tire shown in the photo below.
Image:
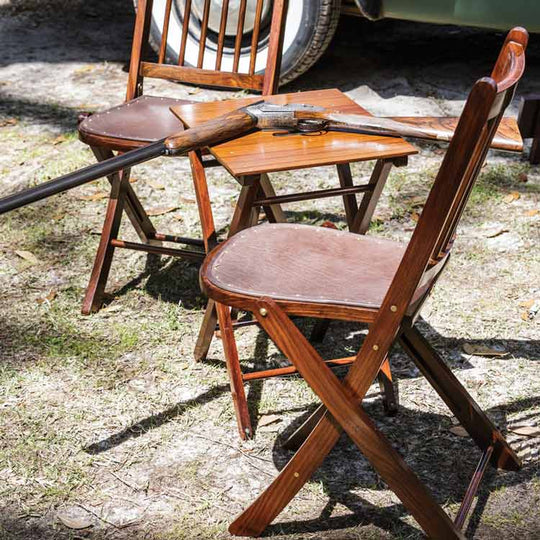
(310, 26)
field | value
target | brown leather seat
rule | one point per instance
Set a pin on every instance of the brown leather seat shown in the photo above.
(305, 264)
(135, 123)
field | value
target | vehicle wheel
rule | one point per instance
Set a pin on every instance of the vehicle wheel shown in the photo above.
(310, 27)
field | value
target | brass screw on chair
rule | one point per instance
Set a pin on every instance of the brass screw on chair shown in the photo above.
(263, 312)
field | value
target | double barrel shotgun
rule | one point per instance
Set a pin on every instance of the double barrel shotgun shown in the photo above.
(292, 118)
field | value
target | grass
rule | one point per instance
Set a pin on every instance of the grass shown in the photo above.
(111, 413)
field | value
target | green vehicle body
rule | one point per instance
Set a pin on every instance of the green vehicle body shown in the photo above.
(496, 14)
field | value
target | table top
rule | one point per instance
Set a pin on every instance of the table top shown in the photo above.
(261, 152)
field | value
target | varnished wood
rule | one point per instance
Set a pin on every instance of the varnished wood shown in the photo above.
(228, 126)
(204, 31)
(159, 250)
(507, 137)
(140, 69)
(473, 488)
(255, 36)
(202, 76)
(275, 46)
(239, 33)
(140, 40)
(261, 152)
(442, 210)
(102, 264)
(377, 181)
(343, 404)
(165, 32)
(313, 195)
(185, 33)
(222, 29)
(243, 420)
(291, 370)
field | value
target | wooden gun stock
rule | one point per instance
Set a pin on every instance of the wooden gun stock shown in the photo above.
(225, 127)
(425, 128)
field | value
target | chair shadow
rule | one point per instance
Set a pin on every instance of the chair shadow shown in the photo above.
(156, 420)
(446, 463)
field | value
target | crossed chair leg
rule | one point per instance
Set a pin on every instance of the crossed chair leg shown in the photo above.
(344, 412)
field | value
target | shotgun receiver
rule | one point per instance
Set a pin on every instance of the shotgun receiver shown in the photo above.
(292, 118)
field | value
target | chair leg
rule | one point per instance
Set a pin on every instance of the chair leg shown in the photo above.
(349, 201)
(133, 207)
(342, 401)
(389, 391)
(274, 212)
(242, 218)
(235, 374)
(390, 403)
(458, 400)
(206, 332)
(130, 203)
(370, 199)
(102, 264)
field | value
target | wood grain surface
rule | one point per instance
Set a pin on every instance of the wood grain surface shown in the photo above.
(261, 152)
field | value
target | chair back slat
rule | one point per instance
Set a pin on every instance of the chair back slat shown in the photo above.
(204, 31)
(185, 31)
(222, 30)
(165, 32)
(239, 33)
(138, 46)
(255, 36)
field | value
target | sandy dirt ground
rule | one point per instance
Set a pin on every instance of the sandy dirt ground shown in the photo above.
(108, 429)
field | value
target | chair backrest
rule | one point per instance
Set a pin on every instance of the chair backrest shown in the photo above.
(434, 234)
(188, 16)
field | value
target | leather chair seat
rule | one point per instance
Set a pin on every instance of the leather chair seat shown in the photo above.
(302, 263)
(133, 124)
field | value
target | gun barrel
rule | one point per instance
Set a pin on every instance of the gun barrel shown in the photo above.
(82, 176)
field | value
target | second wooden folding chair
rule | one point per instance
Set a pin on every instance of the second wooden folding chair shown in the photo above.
(279, 270)
(143, 119)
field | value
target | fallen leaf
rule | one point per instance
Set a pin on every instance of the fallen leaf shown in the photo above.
(84, 69)
(96, 196)
(194, 91)
(528, 431)
(59, 140)
(328, 225)
(186, 200)
(497, 233)
(511, 197)
(268, 419)
(523, 177)
(155, 184)
(74, 519)
(49, 298)
(160, 210)
(28, 256)
(532, 213)
(525, 316)
(8, 122)
(133, 180)
(527, 304)
(415, 216)
(59, 216)
(460, 431)
(415, 201)
(483, 350)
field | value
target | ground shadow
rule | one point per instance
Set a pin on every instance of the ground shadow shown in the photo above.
(443, 461)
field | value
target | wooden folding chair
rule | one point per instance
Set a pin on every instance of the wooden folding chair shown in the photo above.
(143, 119)
(279, 270)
